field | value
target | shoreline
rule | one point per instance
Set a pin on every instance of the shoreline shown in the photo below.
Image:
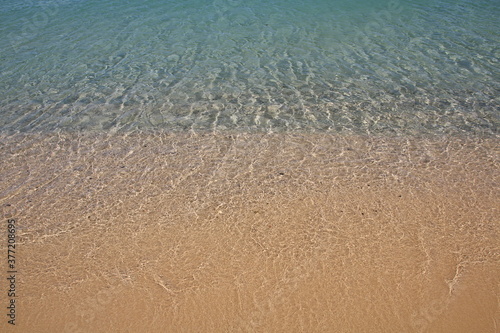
(245, 232)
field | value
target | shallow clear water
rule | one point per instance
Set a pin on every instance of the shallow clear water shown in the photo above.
(324, 226)
(343, 66)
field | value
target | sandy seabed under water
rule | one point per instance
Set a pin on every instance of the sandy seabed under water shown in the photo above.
(242, 232)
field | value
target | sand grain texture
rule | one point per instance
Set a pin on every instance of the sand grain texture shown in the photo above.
(227, 232)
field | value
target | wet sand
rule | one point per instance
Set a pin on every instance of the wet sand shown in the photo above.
(233, 232)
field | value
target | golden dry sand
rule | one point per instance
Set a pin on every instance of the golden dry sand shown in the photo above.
(231, 232)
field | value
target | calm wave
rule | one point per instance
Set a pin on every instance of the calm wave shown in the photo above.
(357, 66)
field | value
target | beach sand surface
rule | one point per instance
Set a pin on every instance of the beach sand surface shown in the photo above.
(251, 232)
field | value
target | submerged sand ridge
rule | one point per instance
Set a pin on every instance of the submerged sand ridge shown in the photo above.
(240, 232)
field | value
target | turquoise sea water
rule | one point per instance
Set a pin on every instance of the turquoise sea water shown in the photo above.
(395, 66)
